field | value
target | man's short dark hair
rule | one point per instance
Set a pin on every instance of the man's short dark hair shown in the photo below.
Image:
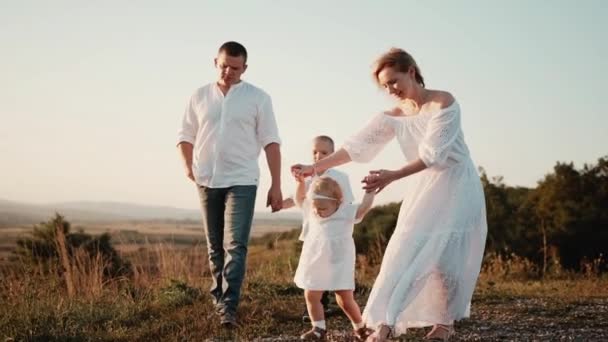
(233, 49)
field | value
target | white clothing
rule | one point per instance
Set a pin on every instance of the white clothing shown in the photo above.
(343, 181)
(228, 133)
(327, 262)
(432, 260)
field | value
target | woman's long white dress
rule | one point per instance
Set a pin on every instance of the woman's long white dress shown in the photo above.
(433, 258)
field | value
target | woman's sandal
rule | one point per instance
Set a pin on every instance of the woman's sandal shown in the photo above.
(447, 333)
(382, 333)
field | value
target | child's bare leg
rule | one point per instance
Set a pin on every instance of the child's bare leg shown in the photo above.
(346, 301)
(314, 306)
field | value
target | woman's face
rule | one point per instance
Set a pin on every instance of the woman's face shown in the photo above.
(397, 83)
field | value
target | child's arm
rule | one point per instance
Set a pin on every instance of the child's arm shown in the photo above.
(288, 203)
(366, 205)
(300, 191)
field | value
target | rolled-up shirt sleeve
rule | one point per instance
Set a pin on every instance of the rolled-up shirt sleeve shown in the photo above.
(189, 127)
(267, 129)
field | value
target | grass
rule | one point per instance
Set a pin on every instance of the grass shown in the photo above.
(165, 299)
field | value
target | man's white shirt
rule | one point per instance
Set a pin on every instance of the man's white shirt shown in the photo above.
(228, 132)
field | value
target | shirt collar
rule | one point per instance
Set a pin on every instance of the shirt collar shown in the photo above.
(234, 86)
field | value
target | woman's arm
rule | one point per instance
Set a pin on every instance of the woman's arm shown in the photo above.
(411, 168)
(337, 158)
(379, 179)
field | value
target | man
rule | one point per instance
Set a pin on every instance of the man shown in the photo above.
(224, 128)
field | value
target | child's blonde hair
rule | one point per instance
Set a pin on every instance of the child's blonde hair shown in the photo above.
(326, 186)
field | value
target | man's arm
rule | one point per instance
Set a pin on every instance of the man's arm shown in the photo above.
(273, 157)
(185, 151)
(187, 135)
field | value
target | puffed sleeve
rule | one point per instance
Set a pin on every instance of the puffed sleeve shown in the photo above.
(369, 141)
(442, 130)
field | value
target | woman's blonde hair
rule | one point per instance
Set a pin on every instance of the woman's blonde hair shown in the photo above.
(327, 187)
(399, 59)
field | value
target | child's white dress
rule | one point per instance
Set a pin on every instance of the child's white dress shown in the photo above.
(343, 181)
(327, 262)
(432, 260)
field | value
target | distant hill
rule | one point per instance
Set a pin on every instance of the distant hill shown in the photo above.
(16, 213)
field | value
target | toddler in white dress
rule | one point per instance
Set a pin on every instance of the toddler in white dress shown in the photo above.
(327, 262)
(322, 146)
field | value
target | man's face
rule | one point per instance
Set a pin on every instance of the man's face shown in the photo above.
(321, 149)
(230, 68)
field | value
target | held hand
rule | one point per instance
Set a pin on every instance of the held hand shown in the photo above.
(299, 178)
(275, 199)
(302, 171)
(378, 180)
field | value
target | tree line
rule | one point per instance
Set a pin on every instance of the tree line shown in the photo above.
(561, 221)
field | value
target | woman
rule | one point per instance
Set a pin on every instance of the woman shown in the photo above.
(432, 260)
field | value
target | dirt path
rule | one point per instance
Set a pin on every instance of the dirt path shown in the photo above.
(505, 319)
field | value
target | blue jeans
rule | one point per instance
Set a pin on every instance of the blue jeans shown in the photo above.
(227, 215)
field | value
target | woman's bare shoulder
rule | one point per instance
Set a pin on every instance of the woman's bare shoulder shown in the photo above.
(443, 99)
(396, 111)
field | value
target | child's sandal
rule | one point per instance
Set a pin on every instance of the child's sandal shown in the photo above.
(314, 334)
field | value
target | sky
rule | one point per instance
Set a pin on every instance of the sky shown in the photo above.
(92, 93)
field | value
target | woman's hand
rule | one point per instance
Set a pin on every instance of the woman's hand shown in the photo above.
(378, 180)
(301, 171)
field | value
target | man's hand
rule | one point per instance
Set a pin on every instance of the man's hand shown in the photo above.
(273, 157)
(189, 173)
(275, 199)
(185, 151)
